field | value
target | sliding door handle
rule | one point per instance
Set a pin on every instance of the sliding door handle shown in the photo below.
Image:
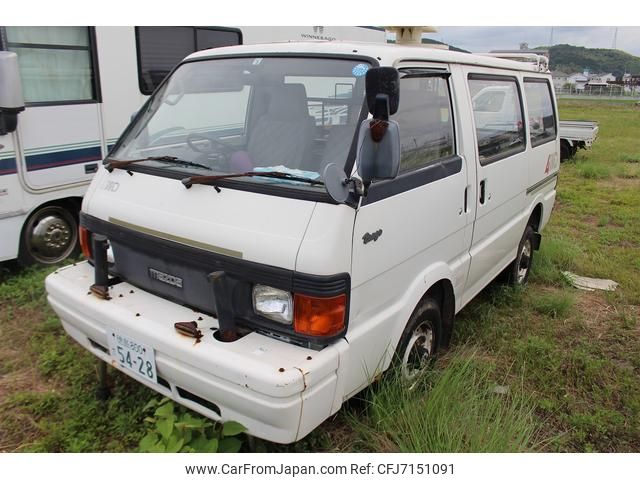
(482, 189)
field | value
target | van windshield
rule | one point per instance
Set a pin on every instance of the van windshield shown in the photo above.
(233, 115)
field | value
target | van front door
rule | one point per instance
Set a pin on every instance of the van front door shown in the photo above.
(406, 225)
(501, 176)
(59, 134)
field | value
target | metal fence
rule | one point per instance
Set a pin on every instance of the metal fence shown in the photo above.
(614, 91)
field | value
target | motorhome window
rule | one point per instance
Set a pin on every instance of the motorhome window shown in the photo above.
(233, 115)
(542, 120)
(426, 124)
(160, 49)
(56, 64)
(497, 113)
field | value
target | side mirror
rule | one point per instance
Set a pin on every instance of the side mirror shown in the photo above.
(11, 101)
(379, 139)
(378, 153)
(382, 81)
(378, 160)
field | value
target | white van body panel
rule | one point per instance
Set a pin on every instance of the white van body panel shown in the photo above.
(393, 248)
(326, 247)
(259, 228)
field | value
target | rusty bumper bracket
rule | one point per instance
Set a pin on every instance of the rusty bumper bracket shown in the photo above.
(101, 267)
(223, 287)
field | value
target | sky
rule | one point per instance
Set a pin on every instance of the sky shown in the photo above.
(372, 12)
(484, 39)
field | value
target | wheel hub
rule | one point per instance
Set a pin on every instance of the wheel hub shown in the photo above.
(525, 261)
(51, 236)
(418, 351)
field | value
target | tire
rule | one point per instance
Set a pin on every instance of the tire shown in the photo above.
(420, 339)
(49, 236)
(518, 271)
(565, 151)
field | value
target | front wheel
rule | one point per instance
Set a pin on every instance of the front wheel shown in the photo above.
(419, 341)
(521, 267)
(49, 236)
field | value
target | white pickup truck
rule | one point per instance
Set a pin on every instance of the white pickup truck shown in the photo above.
(575, 134)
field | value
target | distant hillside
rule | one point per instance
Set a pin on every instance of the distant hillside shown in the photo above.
(570, 59)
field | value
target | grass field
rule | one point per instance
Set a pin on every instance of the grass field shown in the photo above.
(545, 368)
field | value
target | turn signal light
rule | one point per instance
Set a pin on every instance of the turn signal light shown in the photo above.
(85, 242)
(319, 316)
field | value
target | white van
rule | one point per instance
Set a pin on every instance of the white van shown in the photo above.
(80, 86)
(281, 223)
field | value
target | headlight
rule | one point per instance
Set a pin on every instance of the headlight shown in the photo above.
(273, 303)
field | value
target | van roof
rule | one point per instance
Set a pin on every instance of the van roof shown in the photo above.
(387, 54)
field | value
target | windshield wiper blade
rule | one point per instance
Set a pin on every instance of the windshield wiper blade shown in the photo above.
(212, 179)
(111, 164)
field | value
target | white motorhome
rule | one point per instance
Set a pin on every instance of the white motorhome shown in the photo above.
(80, 87)
(281, 223)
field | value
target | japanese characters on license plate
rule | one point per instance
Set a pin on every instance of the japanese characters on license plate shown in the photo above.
(133, 355)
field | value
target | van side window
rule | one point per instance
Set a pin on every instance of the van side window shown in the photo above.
(542, 119)
(162, 48)
(497, 113)
(426, 124)
(56, 63)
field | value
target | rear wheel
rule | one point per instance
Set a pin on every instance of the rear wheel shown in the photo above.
(49, 236)
(521, 267)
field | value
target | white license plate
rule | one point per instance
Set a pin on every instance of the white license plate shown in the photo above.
(133, 355)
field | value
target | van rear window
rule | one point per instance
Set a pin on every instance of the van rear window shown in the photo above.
(497, 113)
(542, 119)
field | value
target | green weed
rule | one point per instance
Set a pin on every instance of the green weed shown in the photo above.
(175, 430)
(452, 408)
(593, 171)
(555, 304)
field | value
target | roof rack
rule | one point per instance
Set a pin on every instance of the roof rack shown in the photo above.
(539, 62)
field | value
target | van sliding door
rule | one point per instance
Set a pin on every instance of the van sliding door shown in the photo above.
(502, 172)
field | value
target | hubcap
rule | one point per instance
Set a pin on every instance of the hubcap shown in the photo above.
(418, 351)
(525, 261)
(51, 239)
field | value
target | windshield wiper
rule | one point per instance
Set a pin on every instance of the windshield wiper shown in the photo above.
(212, 179)
(111, 164)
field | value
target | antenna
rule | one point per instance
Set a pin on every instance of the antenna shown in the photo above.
(615, 38)
(551, 38)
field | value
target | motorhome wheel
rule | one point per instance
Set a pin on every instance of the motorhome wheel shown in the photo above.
(49, 236)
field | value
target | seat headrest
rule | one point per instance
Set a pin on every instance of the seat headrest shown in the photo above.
(288, 103)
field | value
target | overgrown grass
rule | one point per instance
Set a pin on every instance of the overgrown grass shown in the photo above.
(455, 407)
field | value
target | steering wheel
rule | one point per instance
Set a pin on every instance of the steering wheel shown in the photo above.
(207, 144)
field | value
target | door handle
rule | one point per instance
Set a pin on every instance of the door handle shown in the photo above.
(466, 199)
(483, 187)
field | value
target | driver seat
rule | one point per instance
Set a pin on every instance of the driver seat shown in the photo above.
(283, 135)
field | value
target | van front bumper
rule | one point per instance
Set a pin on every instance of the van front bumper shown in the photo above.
(278, 391)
